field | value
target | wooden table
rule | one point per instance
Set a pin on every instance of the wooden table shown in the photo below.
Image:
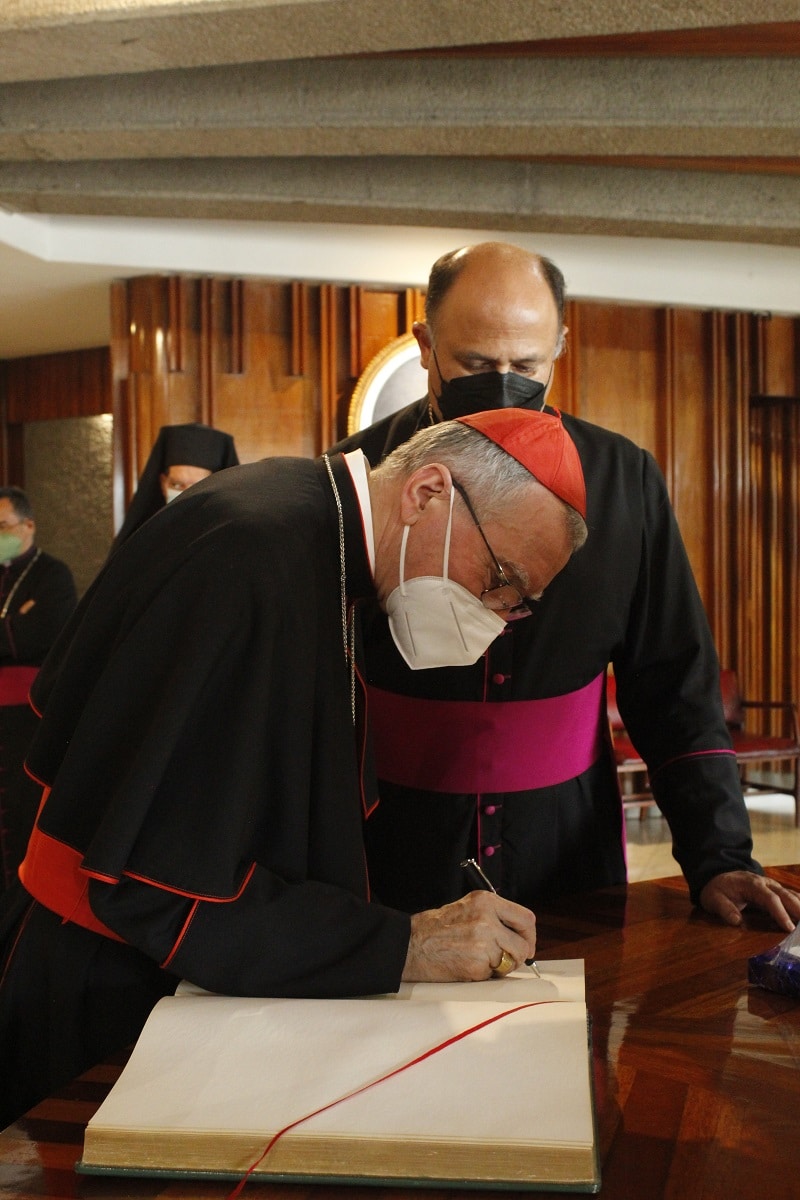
(698, 1075)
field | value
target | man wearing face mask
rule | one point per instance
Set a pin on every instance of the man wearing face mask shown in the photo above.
(37, 596)
(507, 761)
(182, 455)
(202, 736)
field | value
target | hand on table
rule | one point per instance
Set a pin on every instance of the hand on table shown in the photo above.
(727, 894)
(465, 940)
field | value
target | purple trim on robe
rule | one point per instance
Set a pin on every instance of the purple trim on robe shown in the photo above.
(471, 746)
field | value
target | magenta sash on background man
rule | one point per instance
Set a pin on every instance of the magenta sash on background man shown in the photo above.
(15, 683)
(474, 746)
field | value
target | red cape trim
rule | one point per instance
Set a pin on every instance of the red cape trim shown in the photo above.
(52, 873)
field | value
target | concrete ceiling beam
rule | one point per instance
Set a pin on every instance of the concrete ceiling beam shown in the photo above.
(496, 107)
(49, 39)
(421, 191)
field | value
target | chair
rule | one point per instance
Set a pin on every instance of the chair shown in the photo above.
(634, 784)
(753, 748)
(749, 748)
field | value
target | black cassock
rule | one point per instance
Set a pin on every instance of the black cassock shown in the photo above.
(37, 597)
(206, 797)
(508, 761)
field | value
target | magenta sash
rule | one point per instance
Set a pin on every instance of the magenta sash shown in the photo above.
(471, 746)
(15, 683)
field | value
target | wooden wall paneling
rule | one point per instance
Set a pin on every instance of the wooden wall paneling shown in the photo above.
(301, 299)
(159, 394)
(779, 340)
(306, 349)
(666, 416)
(564, 391)
(791, 551)
(46, 387)
(222, 339)
(724, 516)
(342, 379)
(760, 632)
(265, 406)
(375, 318)
(742, 614)
(205, 376)
(330, 325)
(236, 345)
(617, 371)
(311, 369)
(181, 356)
(785, 448)
(689, 439)
(378, 317)
(414, 306)
(123, 468)
(354, 328)
(175, 336)
(154, 335)
(764, 579)
(775, 478)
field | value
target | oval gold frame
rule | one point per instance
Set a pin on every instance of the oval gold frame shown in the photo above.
(374, 378)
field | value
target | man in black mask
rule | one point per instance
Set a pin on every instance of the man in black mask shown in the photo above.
(508, 761)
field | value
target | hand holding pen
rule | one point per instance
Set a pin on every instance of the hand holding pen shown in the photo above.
(482, 883)
(463, 940)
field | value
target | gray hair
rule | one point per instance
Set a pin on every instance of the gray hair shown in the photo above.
(495, 481)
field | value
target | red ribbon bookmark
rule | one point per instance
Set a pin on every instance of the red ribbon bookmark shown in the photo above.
(457, 1037)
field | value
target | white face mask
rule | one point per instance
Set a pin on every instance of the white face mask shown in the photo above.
(173, 493)
(434, 621)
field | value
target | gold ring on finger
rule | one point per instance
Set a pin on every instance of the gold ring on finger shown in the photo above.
(505, 965)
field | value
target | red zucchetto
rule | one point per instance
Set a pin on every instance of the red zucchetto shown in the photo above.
(541, 444)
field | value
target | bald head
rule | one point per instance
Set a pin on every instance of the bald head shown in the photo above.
(491, 307)
(502, 259)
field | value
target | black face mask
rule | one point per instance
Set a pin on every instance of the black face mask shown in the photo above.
(468, 394)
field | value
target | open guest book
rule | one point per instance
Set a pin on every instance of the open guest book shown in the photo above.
(467, 1084)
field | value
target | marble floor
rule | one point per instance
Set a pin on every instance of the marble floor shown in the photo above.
(775, 838)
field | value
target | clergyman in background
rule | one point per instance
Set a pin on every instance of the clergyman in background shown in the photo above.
(508, 761)
(181, 456)
(37, 597)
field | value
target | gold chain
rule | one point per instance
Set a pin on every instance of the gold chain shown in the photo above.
(12, 593)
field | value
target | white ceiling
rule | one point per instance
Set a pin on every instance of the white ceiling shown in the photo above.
(55, 271)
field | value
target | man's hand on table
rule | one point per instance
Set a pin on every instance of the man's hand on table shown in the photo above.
(466, 940)
(727, 894)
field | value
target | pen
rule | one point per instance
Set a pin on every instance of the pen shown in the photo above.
(484, 884)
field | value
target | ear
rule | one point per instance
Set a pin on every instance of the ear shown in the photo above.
(429, 483)
(423, 335)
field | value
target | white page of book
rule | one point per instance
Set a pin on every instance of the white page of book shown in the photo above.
(240, 1064)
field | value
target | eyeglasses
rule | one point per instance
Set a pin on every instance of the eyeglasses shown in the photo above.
(505, 597)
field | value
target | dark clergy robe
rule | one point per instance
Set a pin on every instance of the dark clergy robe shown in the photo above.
(203, 818)
(508, 761)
